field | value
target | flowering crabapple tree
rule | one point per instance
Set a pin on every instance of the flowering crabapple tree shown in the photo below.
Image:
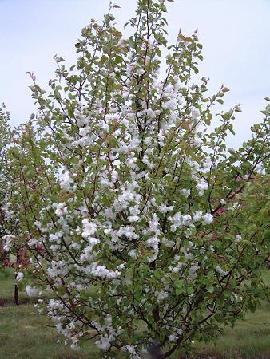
(4, 140)
(133, 208)
(11, 250)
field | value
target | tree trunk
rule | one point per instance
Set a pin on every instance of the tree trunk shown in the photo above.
(155, 351)
(16, 294)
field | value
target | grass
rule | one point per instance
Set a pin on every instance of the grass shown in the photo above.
(249, 339)
(26, 335)
(6, 284)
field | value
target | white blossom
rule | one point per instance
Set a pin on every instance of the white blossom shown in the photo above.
(31, 291)
(207, 218)
(66, 181)
(19, 276)
(89, 228)
(60, 209)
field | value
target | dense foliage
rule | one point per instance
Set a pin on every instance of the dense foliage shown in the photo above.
(132, 207)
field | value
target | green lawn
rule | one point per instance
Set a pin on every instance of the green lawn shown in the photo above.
(250, 338)
(6, 285)
(26, 335)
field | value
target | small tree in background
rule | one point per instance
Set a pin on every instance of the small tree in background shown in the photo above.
(4, 178)
(134, 210)
(12, 250)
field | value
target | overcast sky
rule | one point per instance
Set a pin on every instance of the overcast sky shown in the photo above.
(235, 35)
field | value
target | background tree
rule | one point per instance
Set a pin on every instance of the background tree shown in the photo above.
(4, 178)
(12, 250)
